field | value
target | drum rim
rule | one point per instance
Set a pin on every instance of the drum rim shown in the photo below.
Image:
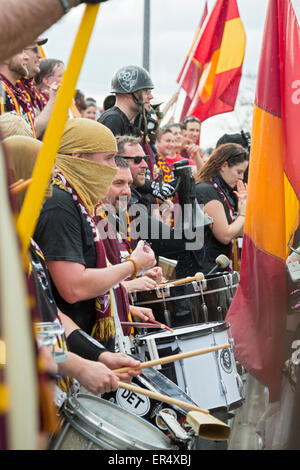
(188, 296)
(107, 429)
(220, 326)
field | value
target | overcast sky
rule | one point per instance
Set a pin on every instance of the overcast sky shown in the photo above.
(117, 40)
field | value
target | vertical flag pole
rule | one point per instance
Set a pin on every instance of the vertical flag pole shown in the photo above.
(191, 55)
(36, 191)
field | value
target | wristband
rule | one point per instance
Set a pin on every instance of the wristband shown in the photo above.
(79, 342)
(66, 6)
(135, 268)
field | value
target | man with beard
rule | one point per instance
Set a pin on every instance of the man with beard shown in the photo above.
(163, 239)
(11, 96)
(39, 106)
(132, 86)
(113, 223)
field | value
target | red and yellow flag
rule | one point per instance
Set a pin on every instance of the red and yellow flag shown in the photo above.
(258, 312)
(213, 78)
(191, 73)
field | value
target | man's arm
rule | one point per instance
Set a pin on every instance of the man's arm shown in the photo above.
(22, 22)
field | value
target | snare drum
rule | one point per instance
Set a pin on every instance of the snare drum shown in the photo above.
(211, 380)
(190, 303)
(149, 408)
(91, 423)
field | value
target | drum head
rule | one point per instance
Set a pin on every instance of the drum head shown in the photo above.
(113, 427)
(199, 329)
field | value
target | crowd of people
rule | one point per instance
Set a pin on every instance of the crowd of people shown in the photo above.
(112, 206)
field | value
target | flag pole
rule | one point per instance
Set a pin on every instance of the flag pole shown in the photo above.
(191, 54)
(41, 173)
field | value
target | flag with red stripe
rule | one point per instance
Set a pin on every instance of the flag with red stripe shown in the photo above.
(258, 311)
(192, 72)
(213, 79)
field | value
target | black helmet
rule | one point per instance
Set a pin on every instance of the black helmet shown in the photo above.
(130, 79)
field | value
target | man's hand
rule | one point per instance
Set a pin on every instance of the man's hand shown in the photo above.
(144, 256)
(141, 283)
(155, 274)
(142, 313)
(97, 377)
(118, 360)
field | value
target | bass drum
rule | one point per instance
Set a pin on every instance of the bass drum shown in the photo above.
(190, 303)
(91, 423)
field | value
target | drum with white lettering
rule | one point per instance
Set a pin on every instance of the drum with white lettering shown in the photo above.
(150, 409)
(211, 380)
(91, 423)
(190, 303)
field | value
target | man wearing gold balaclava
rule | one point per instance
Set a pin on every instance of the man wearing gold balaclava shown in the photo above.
(68, 237)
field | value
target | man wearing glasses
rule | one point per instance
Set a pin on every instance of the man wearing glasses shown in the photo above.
(160, 235)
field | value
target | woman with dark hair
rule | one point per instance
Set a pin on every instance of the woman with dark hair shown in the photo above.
(221, 191)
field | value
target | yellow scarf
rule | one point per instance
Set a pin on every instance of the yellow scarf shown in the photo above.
(90, 180)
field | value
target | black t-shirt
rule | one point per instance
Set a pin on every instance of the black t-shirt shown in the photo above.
(117, 122)
(63, 235)
(45, 299)
(206, 192)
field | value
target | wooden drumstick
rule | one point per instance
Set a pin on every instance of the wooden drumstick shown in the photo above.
(20, 187)
(152, 324)
(203, 423)
(198, 277)
(161, 397)
(16, 183)
(173, 358)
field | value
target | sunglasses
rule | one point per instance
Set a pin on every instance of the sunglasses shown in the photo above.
(35, 49)
(137, 160)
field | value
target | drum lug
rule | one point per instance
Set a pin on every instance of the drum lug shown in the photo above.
(223, 386)
(163, 292)
(133, 297)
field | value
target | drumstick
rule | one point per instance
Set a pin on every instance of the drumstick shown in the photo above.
(16, 183)
(198, 277)
(173, 358)
(138, 325)
(23, 185)
(161, 397)
(162, 325)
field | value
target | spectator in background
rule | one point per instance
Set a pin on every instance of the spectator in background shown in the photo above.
(80, 101)
(241, 138)
(40, 107)
(50, 74)
(221, 190)
(91, 110)
(11, 96)
(167, 155)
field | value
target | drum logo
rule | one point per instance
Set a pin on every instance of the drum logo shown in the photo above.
(225, 361)
(133, 402)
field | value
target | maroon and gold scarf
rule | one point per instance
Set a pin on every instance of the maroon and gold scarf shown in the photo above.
(104, 327)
